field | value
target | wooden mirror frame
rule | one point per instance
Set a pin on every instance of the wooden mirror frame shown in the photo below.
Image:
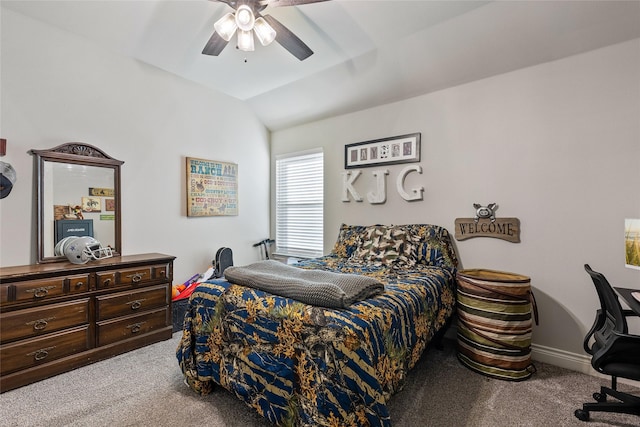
(79, 154)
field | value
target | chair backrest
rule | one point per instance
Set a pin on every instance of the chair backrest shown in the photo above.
(614, 321)
(613, 352)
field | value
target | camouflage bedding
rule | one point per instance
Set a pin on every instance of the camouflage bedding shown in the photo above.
(303, 365)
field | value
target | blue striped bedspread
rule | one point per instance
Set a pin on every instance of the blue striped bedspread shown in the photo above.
(301, 365)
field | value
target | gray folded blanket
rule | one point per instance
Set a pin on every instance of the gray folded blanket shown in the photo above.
(314, 287)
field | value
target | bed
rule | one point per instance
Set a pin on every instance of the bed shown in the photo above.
(299, 364)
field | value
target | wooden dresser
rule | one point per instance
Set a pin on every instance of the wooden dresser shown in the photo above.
(59, 316)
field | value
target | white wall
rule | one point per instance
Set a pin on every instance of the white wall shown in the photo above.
(58, 88)
(556, 145)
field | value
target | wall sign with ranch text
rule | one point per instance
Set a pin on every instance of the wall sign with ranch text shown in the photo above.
(212, 188)
(485, 224)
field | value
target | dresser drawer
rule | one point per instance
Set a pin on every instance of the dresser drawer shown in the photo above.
(112, 331)
(4, 293)
(36, 351)
(126, 303)
(39, 289)
(78, 283)
(161, 272)
(41, 320)
(35, 290)
(106, 279)
(134, 276)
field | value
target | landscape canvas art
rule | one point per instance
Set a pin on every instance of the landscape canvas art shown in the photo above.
(632, 243)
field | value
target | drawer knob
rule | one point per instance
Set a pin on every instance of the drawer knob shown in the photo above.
(106, 282)
(41, 354)
(136, 327)
(40, 324)
(136, 304)
(79, 285)
(137, 277)
(40, 292)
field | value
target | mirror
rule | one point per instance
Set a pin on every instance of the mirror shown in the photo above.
(78, 194)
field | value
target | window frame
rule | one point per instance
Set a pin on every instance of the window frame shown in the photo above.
(288, 242)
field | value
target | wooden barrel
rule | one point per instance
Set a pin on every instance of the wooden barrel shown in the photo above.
(495, 311)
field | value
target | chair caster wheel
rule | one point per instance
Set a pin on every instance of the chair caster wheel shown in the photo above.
(581, 414)
(600, 397)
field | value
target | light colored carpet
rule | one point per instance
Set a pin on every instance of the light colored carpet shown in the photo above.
(145, 388)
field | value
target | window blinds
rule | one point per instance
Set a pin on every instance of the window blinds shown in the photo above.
(299, 204)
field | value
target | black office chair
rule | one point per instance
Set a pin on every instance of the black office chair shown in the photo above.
(614, 352)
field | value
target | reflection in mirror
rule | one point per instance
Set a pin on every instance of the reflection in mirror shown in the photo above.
(81, 198)
(78, 194)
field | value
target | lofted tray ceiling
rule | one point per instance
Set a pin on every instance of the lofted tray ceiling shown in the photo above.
(367, 52)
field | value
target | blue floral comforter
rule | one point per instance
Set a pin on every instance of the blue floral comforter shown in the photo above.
(301, 365)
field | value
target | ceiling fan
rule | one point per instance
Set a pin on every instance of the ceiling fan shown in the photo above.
(248, 20)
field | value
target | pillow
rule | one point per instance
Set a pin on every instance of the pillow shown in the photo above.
(349, 238)
(434, 246)
(387, 245)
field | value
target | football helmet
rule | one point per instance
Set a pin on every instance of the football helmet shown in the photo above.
(58, 250)
(80, 250)
(7, 179)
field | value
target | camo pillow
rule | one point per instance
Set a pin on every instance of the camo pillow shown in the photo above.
(387, 245)
(434, 245)
(349, 238)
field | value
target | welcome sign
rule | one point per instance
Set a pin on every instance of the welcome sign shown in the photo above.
(500, 228)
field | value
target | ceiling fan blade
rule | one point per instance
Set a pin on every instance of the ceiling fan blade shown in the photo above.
(282, 3)
(229, 2)
(215, 45)
(288, 40)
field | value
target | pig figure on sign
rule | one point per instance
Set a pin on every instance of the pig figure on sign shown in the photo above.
(485, 211)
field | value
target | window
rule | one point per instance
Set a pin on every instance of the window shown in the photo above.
(299, 204)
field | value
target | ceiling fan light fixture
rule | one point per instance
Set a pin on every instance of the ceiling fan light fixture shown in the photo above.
(245, 18)
(226, 26)
(245, 40)
(265, 32)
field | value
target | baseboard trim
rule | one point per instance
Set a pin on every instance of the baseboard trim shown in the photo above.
(568, 360)
(562, 358)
